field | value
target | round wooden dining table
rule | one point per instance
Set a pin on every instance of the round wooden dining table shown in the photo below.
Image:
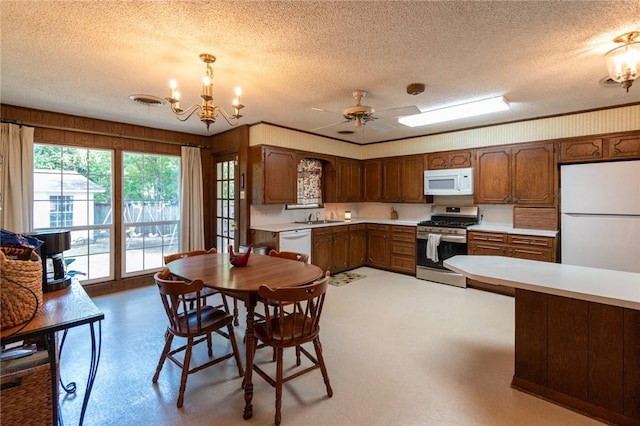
(216, 272)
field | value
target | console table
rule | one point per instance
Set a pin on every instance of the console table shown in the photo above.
(577, 332)
(62, 309)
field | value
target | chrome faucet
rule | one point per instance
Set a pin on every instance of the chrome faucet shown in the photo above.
(317, 216)
(310, 216)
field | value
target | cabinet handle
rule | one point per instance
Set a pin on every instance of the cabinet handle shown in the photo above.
(516, 199)
(506, 199)
(597, 153)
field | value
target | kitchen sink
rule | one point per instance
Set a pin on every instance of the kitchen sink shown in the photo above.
(317, 222)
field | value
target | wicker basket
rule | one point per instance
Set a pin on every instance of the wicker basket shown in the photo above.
(26, 397)
(20, 289)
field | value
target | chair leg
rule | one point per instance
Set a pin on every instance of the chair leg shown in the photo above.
(209, 345)
(298, 362)
(279, 386)
(236, 352)
(323, 367)
(185, 371)
(167, 347)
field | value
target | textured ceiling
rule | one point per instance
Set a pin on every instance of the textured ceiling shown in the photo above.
(86, 58)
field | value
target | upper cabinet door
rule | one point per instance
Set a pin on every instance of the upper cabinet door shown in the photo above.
(534, 174)
(273, 174)
(492, 176)
(391, 180)
(372, 179)
(412, 179)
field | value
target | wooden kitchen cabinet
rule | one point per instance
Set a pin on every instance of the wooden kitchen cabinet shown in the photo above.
(372, 180)
(448, 160)
(273, 175)
(394, 179)
(624, 147)
(321, 247)
(522, 174)
(348, 180)
(403, 249)
(378, 246)
(532, 247)
(581, 150)
(357, 252)
(619, 146)
(412, 179)
(330, 248)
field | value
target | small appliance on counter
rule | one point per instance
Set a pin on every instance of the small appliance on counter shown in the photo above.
(54, 271)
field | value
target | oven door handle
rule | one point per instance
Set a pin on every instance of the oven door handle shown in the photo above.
(446, 238)
(454, 238)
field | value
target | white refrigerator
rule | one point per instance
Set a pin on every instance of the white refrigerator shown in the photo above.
(600, 215)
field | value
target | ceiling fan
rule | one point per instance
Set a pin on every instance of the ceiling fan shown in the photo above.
(362, 114)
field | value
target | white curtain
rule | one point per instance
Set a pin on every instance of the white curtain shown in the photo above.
(16, 174)
(192, 235)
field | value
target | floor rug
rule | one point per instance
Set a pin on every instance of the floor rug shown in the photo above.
(344, 278)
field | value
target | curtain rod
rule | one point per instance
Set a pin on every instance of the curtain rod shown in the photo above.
(93, 132)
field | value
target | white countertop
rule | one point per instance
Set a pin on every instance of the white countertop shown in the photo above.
(489, 227)
(616, 288)
(290, 226)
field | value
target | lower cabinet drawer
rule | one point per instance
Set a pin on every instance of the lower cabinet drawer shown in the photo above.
(401, 248)
(403, 264)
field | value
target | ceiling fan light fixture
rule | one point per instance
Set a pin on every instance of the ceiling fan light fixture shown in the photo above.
(623, 62)
(470, 109)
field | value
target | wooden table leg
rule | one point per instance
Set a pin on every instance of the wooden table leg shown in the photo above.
(250, 304)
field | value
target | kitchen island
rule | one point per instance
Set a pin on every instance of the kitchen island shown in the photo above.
(577, 332)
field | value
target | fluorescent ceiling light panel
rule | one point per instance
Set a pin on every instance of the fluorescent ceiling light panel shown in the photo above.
(455, 112)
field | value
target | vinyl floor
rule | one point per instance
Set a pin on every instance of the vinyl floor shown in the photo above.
(399, 351)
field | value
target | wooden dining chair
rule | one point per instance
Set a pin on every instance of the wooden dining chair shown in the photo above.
(297, 325)
(206, 291)
(301, 257)
(196, 325)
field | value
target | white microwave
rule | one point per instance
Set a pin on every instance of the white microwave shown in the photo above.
(448, 182)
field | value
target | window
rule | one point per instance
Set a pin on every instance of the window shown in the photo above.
(309, 180)
(72, 190)
(225, 205)
(150, 210)
(61, 211)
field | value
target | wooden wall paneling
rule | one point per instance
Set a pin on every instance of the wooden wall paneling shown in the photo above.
(531, 336)
(632, 364)
(568, 346)
(606, 371)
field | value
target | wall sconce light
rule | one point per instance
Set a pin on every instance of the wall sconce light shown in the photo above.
(623, 61)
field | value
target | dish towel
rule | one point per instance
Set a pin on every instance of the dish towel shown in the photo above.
(433, 242)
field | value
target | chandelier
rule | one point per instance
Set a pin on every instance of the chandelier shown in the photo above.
(623, 62)
(208, 109)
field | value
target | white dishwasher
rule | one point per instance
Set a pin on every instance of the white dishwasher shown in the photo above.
(298, 240)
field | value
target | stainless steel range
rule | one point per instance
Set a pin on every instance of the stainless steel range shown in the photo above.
(440, 238)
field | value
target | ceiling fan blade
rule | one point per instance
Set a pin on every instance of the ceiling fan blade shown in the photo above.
(380, 126)
(398, 112)
(329, 125)
(324, 110)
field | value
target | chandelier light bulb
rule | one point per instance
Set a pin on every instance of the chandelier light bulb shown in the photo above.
(238, 91)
